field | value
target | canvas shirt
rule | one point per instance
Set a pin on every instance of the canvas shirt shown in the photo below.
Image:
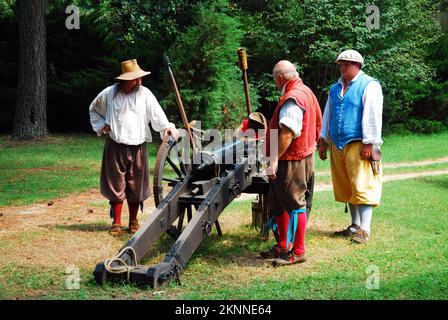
(129, 115)
(372, 113)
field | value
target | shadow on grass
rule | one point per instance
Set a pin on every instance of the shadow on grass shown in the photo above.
(440, 182)
(214, 250)
(230, 249)
(214, 253)
(320, 233)
(85, 227)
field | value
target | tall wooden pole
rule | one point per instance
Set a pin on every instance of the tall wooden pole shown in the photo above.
(243, 65)
(180, 105)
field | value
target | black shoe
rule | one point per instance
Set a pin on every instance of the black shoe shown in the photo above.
(347, 232)
(273, 253)
(289, 258)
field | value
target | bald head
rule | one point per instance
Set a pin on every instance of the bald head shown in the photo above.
(284, 71)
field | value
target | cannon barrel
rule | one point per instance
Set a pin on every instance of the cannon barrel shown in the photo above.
(229, 154)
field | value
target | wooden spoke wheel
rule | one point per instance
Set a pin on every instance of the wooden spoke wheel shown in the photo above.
(170, 168)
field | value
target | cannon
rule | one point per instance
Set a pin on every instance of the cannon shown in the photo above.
(200, 183)
(190, 192)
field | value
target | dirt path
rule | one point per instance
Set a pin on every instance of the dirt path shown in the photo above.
(415, 163)
(392, 177)
(396, 165)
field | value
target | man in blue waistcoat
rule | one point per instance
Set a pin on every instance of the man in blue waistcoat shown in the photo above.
(351, 128)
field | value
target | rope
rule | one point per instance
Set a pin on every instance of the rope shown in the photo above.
(198, 130)
(123, 267)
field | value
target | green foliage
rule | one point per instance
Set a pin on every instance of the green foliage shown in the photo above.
(201, 37)
(226, 267)
(271, 33)
(424, 126)
(420, 126)
(77, 70)
(204, 59)
(432, 103)
(7, 8)
(313, 33)
(159, 22)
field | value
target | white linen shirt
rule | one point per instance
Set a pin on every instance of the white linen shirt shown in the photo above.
(128, 115)
(372, 101)
(291, 116)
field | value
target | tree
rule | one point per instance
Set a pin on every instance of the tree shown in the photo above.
(204, 58)
(313, 32)
(201, 39)
(30, 121)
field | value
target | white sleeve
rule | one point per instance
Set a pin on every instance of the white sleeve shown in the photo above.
(325, 131)
(372, 114)
(156, 115)
(97, 111)
(291, 116)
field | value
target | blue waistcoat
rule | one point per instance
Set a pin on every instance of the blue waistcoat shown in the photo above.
(346, 111)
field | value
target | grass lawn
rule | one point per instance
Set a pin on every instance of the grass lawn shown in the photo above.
(406, 256)
(43, 170)
(408, 251)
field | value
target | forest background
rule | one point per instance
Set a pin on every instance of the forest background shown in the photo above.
(407, 51)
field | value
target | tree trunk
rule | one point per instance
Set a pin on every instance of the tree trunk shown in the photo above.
(30, 121)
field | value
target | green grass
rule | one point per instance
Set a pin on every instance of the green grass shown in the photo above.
(408, 248)
(43, 170)
(408, 245)
(409, 252)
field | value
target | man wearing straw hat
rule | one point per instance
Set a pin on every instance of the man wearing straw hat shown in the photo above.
(123, 112)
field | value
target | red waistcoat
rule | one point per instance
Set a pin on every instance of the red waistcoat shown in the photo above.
(306, 143)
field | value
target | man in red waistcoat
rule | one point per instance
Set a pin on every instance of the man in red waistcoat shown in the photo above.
(298, 119)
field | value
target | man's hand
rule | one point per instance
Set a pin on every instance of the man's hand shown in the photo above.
(106, 129)
(366, 151)
(272, 170)
(323, 147)
(171, 132)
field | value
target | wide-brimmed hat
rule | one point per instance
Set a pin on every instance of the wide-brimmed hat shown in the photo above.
(130, 70)
(256, 121)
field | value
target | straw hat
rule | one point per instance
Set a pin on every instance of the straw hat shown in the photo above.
(256, 121)
(130, 70)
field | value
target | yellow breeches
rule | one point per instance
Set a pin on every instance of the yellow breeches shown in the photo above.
(353, 178)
